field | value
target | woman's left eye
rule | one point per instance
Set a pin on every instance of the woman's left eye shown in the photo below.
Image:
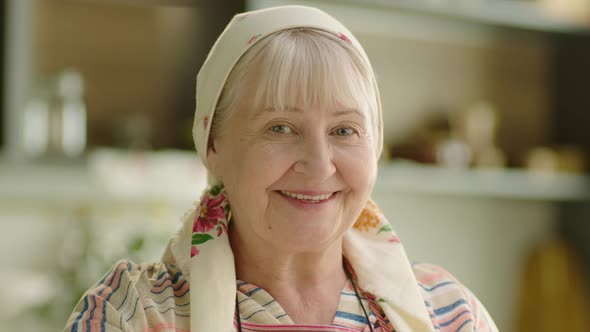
(344, 131)
(281, 129)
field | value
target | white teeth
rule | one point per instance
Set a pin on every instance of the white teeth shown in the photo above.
(306, 197)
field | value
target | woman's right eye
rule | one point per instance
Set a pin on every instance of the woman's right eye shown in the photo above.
(281, 129)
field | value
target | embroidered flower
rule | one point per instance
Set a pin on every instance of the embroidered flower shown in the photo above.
(194, 251)
(211, 210)
(343, 37)
(253, 38)
(211, 213)
(394, 239)
(366, 221)
(222, 227)
(205, 122)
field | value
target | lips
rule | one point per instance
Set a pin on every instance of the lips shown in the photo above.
(307, 197)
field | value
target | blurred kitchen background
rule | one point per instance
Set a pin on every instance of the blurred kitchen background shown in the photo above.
(485, 171)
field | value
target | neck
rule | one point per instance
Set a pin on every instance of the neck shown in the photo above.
(306, 284)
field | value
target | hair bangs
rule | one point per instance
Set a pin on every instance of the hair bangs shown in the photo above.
(310, 69)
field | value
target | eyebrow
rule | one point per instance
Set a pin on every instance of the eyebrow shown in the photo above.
(338, 112)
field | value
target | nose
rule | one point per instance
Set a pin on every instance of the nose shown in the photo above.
(315, 158)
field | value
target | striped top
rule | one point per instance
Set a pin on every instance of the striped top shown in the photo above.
(255, 306)
(155, 297)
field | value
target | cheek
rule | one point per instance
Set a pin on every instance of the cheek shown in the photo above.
(358, 168)
(358, 171)
(256, 167)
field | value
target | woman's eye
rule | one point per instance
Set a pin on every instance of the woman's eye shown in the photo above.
(344, 131)
(281, 129)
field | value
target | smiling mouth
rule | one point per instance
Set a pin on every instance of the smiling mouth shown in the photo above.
(307, 198)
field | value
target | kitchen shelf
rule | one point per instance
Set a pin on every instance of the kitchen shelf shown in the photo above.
(106, 178)
(506, 183)
(508, 13)
(121, 179)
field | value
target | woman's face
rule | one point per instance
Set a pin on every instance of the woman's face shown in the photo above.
(296, 178)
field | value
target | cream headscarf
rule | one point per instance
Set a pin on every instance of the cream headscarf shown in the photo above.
(212, 272)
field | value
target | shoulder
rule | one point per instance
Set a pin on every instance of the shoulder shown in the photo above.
(131, 297)
(452, 306)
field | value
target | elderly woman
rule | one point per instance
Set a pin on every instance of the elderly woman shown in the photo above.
(286, 238)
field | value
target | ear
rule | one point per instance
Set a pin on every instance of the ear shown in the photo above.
(213, 160)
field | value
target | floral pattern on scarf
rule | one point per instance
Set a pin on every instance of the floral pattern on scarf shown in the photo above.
(210, 220)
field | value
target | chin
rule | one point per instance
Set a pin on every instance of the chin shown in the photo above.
(310, 240)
